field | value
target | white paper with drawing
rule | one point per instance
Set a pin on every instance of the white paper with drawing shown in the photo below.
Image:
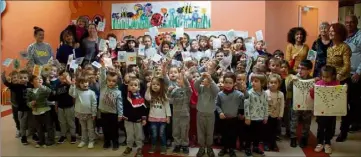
(330, 101)
(301, 94)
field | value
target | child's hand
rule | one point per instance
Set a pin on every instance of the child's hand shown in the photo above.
(222, 116)
(170, 88)
(120, 119)
(94, 117)
(76, 45)
(33, 103)
(265, 121)
(248, 122)
(148, 84)
(294, 55)
(144, 122)
(73, 81)
(243, 87)
(168, 120)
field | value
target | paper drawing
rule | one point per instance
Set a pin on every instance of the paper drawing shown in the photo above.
(301, 94)
(330, 101)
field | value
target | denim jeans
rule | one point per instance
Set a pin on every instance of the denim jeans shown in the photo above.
(158, 127)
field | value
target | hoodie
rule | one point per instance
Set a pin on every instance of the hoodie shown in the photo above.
(256, 106)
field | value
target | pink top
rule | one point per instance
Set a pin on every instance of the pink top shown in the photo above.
(323, 83)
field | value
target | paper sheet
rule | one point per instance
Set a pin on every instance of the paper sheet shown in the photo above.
(102, 45)
(121, 56)
(153, 32)
(108, 62)
(79, 60)
(70, 58)
(101, 26)
(179, 32)
(7, 62)
(259, 35)
(330, 100)
(301, 94)
(141, 50)
(37, 70)
(156, 57)
(73, 65)
(217, 43)
(172, 52)
(97, 64)
(131, 58)
(186, 56)
(112, 43)
(230, 35)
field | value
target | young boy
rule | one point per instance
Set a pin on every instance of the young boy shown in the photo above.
(303, 73)
(229, 105)
(14, 78)
(110, 106)
(207, 92)
(26, 118)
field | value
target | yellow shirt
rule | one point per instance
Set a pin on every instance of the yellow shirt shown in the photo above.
(302, 54)
(339, 56)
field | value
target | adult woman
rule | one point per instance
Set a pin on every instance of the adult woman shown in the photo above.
(296, 50)
(339, 56)
(39, 52)
(89, 45)
(79, 30)
(320, 46)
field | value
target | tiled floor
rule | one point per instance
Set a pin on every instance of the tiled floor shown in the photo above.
(10, 146)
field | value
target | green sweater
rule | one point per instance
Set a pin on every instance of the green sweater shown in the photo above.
(40, 96)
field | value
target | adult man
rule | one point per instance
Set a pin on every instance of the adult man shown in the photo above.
(352, 117)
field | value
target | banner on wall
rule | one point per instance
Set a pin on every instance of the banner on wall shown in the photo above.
(173, 14)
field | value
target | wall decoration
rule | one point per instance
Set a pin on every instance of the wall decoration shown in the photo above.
(173, 14)
(312, 56)
(330, 101)
(301, 94)
(2, 6)
(92, 10)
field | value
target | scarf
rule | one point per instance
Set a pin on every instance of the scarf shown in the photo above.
(135, 99)
(79, 32)
(227, 91)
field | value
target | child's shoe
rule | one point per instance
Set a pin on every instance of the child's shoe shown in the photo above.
(115, 146)
(17, 134)
(266, 147)
(293, 143)
(210, 152)
(81, 144)
(328, 149)
(90, 145)
(152, 149)
(248, 152)
(61, 140)
(222, 152)
(106, 145)
(177, 149)
(232, 153)
(24, 140)
(127, 151)
(303, 142)
(163, 150)
(258, 151)
(139, 153)
(201, 152)
(35, 138)
(73, 139)
(319, 148)
(185, 150)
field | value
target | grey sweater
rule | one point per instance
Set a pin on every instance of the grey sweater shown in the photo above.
(39, 54)
(230, 104)
(181, 96)
(206, 96)
(256, 106)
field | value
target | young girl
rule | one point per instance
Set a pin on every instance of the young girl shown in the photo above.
(185, 42)
(159, 114)
(67, 48)
(286, 79)
(274, 65)
(256, 113)
(194, 53)
(130, 45)
(210, 53)
(219, 56)
(223, 38)
(149, 51)
(85, 109)
(203, 46)
(37, 101)
(180, 94)
(276, 105)
(325, 128)
(165, 48)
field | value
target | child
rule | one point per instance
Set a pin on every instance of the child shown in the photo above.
(286, 79)
(276, 105)
(223, 38)
(52, 82)
(180, 94)
(241, 81)
(279, 54)
(14, 78)
(149, 51)
(194, 50)
(304, 70)
(205, 116)
(26, 118)
(256, 113)
(159, 114)
(68, 48)
(165, 48)
(85, 109)
(65, 103)
(203, 46)
(210, 53)
(219, 56)
(134, 117)
(274, 65)
(325, 128)
(110, 106)
(37, 100)
(229, 106)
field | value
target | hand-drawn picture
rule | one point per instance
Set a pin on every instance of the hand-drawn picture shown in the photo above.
(330, 101)
(311, 55)
(301, 94)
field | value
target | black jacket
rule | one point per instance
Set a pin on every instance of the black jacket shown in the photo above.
(132, 114)
(61, 95)
(20, 91)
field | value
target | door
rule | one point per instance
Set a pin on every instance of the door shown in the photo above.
(308, 19)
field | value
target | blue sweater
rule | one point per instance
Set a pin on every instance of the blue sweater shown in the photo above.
(64, 51)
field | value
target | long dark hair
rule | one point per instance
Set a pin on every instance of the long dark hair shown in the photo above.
(160, 96)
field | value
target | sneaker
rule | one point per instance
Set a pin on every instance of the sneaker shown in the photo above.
(266, 147)
(210, 152)
(248, 153)
(24, 140)
(152, 149)
(319, 148)
(100, 130)
(232, 153)
(73, 139)
(303, 142)
(258, 151)
(17, 134)
(90, 145)
(341, 137)
(127, 151)
(61, 140)
(35, 138)
(328, 149)
(106, 145)
(139, 153)
(49, 144)
(124, 143)
(37, 146)
(185, 150)
(293, 143)
(81, 144)
(169, 143)
(163, 150)
(222, 152)
(201, 152)
(177, 149)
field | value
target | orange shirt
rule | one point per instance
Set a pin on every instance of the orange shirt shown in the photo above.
(302, 54)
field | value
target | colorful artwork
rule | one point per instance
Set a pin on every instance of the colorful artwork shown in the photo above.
(330, 101)
(301, 94)
(312, 55)
(174, 14)
(92, 10)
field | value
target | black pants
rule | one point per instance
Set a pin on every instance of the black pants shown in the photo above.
(229, 132)
(353, 100)
(241, 132)
(16, 117)
(77, 127)
(42, 120)
(54, 117)
(272, 130)
(254, 133)
(325, 129)
(168, 130)
(110, 127)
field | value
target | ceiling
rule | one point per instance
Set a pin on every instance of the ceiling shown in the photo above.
(348, 2)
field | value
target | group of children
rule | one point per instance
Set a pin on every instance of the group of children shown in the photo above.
(236, 102)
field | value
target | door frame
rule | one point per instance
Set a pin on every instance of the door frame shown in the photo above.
(300, 10)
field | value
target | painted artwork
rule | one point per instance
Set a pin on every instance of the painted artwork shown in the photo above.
(301, 94)
(82, 8)
(173, 14)
(330, 101)
(312, 55)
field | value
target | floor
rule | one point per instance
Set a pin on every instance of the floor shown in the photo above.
(11, 146)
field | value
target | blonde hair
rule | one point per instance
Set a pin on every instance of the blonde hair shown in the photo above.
(261, 77)
(84, 19)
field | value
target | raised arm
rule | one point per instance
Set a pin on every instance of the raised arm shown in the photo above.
(93, 104)
(120, 105)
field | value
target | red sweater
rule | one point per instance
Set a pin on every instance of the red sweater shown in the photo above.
(194, 96)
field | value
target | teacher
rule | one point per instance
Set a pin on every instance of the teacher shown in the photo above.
(296, 50)
(39, 52)
(320, 46)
